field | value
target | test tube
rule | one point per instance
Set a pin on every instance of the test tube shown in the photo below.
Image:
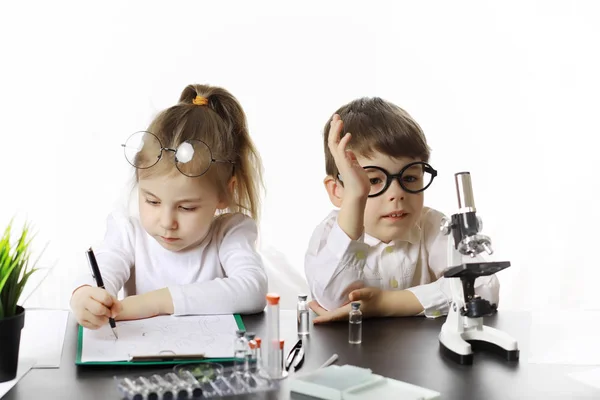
(280, 358)
(166, 388)
(259, 355)
(251, 352)
(188, 378)
(272, 347)
(252, 363)
(130, 390)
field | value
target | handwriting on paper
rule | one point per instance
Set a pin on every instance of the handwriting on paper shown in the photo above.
(211, 335)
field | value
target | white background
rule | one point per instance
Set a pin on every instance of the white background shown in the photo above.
(507, 91)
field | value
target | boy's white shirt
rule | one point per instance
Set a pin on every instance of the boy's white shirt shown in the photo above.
(333, 262)
(223, 275)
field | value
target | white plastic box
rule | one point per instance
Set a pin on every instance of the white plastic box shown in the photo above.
(348, 382)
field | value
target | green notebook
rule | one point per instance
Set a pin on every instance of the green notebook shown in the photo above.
(156, 326)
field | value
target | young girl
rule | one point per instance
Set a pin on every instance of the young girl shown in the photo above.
(192, 250)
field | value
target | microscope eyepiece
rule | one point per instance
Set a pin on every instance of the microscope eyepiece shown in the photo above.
(464, 192)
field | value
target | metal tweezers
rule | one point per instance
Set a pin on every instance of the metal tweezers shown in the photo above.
(295, 356)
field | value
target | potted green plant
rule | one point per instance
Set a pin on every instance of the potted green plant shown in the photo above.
(15, 270)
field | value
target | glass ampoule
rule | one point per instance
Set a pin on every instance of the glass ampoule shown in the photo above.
(355, 324)
(302, 315)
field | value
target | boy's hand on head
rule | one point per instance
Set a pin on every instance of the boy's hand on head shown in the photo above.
(355, 179)
(370, 305)
(93, 306)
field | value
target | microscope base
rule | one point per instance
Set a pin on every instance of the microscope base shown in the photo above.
(459, 346)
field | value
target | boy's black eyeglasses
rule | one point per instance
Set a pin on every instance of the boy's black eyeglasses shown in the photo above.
(414, 177)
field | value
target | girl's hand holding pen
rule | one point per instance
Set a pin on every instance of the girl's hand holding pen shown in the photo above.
(92, 306)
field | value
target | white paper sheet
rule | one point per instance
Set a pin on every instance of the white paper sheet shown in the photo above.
(211, 335)
(23, 367)
(568, 337)
(43, 337)
(590, 377)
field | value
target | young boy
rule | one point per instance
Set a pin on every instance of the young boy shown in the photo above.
(382, 247)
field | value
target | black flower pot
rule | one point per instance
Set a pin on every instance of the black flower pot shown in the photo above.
(10, 338)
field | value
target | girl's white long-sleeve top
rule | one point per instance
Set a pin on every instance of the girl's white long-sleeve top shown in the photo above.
(416, 262)
(223, 275)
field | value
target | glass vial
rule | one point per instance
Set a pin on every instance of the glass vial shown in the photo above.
(240, 348)
(151, 391)
(130, 390)
(302, 315)
(166, 389)
(185, 383)
(355, 324)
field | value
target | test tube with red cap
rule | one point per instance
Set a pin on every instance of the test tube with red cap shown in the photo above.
(280, 358)
(259, 354)
(272, 340)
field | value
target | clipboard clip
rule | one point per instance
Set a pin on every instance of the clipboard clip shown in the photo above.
(165, 355)
(295, 357)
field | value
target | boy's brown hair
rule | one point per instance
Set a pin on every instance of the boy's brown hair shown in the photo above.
(378, 125)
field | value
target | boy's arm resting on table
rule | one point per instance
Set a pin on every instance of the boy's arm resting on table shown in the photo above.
(114, 256)
(399, 303)
(435, 297)
(334, 264)
(245, 286)
(374, 303)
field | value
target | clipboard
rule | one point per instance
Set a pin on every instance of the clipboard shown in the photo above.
(158, 359)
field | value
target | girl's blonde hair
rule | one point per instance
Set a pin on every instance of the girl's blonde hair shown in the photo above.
(219, 121)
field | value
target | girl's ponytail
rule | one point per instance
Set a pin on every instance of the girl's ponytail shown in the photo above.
(233, 143)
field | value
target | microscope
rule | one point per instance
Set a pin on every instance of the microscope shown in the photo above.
(463, 331)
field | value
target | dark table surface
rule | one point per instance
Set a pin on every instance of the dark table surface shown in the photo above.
(406, 349)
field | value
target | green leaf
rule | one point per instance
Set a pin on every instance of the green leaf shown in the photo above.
(15, 268)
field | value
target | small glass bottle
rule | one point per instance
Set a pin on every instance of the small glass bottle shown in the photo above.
(355, 324)
(302, 315)
(240, 348)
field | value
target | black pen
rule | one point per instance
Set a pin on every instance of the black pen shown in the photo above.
(100, 283)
